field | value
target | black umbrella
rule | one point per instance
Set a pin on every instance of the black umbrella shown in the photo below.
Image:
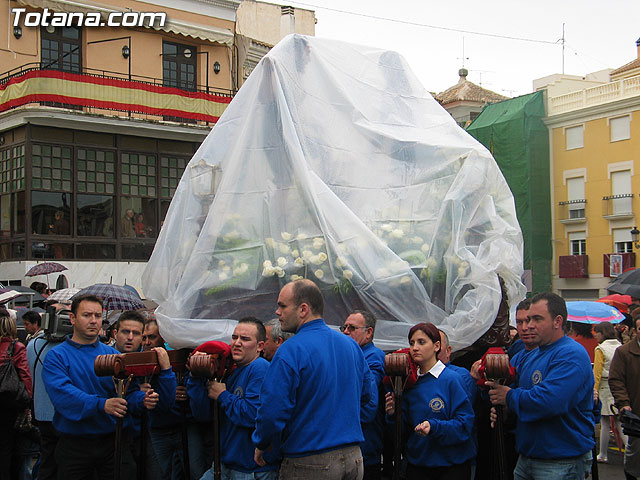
(627, 284)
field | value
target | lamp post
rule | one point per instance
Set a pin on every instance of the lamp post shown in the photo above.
(635, 233)
(126, 50)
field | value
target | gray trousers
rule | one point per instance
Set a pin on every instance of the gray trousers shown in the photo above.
(341, 464)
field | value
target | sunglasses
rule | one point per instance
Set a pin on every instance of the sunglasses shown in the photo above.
(350, 328)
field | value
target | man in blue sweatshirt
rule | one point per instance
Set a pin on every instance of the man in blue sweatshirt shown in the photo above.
(239, 399)
(361, 325)
(553, 400)
(312, 394)
(85, 405)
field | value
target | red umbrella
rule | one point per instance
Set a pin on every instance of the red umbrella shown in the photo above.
(621, 302)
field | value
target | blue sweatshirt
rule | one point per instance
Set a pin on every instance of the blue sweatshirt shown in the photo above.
(444, 402)
(554, 402)
(78, 394)
(313, 393)
(467, 381)
(239, 404)
(373, 430)
(42, 406)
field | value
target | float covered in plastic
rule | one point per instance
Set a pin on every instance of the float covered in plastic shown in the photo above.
(334, 163)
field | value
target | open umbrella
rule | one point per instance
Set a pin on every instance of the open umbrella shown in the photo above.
(64, 295)
(7, 294)
(45, 268)
(627, 284)
(116, 297)
(621, 302)
(592, 312)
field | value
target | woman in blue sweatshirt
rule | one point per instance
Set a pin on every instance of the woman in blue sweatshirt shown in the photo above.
(437, 413)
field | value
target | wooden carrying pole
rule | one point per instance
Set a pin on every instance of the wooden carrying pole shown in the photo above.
(497, 370)
(396, 366)
(206, 366)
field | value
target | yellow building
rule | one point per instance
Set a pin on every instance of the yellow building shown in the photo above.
(594, 128)
(102, 105)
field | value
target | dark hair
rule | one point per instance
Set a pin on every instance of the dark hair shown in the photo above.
(85, 298)
(32, 317)
(430, 331)
(130, 315)
(583, 329)
(606, 329)
(261, 335)
(305, 291)
(555, 305)
(369, 318)
(635, 313)
(38, 287)
(524, 305)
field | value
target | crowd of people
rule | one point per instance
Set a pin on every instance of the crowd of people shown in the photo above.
(303, 400)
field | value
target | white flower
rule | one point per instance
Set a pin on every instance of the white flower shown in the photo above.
(316, 259)
(318, 243)
(464, 264)
(382, 272)
(279, 271)
(222, 263)
(299, 262)
(462, 271)
(285, 236)
(387, 227)
(319, 273)
(405, 280)
(222, 276)
(322, 256)
(269, 242)
(425, 248)
(417, 240)
(233, 235)
(431, 262)
(342, 248)
(341, 262)
(295, 277)
(397, 233)
(267, 264)
(348, 274)
(301, 236)
(268, 272)
(295, 253)
(284, 248)
(240, 269)
(226, 269)
(307, 254)
(282, 261)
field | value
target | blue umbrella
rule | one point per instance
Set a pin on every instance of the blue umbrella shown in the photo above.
(592, 312)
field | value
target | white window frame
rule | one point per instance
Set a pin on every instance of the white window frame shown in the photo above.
(574, 141)
(619, 131)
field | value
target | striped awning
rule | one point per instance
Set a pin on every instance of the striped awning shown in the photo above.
(188, 29)
(110, 93)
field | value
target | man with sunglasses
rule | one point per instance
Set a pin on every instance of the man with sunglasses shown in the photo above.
(361, 325)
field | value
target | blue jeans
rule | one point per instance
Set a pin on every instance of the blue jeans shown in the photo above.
(574, 468)
(228, 474)
(167, 446)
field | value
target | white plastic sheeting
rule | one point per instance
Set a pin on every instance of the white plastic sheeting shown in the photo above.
(334, 163)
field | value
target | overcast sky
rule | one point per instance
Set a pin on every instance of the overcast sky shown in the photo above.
(598, 35)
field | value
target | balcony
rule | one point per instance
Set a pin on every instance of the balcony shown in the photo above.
(111, 93)
(574, 266)
(572, 211)
(601, 94)
(628, 261)
(617, 207)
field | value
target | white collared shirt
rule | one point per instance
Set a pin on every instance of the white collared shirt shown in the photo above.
(436, 370)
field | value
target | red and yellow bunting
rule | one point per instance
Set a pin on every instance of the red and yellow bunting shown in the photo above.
(110, 93)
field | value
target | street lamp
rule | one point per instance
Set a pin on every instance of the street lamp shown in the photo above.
(635, 233)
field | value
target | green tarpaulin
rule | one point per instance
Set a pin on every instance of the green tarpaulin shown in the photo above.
(514, 132)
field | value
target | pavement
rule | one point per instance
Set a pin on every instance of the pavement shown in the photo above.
(613, 469)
